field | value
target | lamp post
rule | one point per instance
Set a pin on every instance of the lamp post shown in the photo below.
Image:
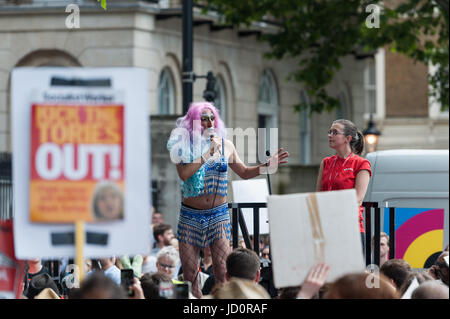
(188, 74)
(189, 77)
(371, 135)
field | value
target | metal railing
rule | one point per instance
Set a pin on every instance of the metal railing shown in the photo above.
(237, 218)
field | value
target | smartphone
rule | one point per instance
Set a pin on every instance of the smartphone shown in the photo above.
(126, 281)
(182, 290)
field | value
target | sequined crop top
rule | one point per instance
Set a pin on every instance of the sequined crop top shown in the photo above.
(210, 178)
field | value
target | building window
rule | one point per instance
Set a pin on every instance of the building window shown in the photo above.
(305, 130)
(220, 102)
(267, 113)
(370, 87)
(166, 93)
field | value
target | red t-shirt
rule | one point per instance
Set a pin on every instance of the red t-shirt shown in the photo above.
(339, 173)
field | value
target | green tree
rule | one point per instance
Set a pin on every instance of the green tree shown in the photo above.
(320, 32)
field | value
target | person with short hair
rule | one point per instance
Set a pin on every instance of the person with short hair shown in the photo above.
(384, 247)
(157, 218)
(167, 260)
(440, 269)
(243, 263)
(397, 271)
(163, 234)
(150, 284)
(99, 286)
(430, 290)
(110, 269)
(243, 275)
(39, 283)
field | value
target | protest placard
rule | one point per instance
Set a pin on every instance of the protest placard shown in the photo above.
(76, 164)
(311, 228)
(81, 154)
(11, 269)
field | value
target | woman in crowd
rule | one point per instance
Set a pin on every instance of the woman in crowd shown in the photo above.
(346, 169)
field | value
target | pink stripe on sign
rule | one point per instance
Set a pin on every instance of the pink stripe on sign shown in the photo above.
(416, 226)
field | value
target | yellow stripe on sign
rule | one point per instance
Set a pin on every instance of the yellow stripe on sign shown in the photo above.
(423, 247)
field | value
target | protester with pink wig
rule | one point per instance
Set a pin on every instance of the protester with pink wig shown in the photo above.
(202, 155)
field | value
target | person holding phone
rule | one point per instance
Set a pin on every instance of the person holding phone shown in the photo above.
(202, 156)
(346, 169)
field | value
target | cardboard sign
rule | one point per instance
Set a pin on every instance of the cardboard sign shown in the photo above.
(252, 191)
(74, 149)
(81, 145)
(311, 228)
(11, 270)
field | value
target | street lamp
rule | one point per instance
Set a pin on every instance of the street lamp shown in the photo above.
(209, 94)
(371, 135)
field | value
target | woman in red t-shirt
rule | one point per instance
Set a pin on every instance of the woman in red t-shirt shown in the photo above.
(346, 169)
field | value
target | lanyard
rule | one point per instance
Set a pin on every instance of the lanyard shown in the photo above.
(330, 183)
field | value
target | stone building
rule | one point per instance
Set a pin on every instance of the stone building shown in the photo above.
(252, 91)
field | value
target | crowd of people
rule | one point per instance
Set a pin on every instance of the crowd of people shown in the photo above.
(248, 276)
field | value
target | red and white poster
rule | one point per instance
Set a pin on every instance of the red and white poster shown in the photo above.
(77, 163)
(11, 270)
(81, 140)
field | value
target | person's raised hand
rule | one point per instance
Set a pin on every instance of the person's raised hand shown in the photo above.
(314, 281)
(137, 288)
(278, 158)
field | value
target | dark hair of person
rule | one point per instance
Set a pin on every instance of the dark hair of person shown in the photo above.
(160, 229)
(289, 292)
(150, 284)
(350, 129)
(397, 270)
(39, 283)
(98, 286)
(243, 263)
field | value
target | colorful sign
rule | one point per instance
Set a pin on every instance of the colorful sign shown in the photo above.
(81, 140)
(419, 234)
(11, 270)
(76, 165)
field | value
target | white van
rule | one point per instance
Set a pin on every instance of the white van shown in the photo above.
(415, 182)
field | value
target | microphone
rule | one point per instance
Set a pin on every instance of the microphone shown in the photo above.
(211, 132)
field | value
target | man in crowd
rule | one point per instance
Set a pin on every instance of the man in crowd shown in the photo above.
(110, 269)
(397, 271)
(439, 270)
(35, 268)
(163, 235)
(384, 247)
